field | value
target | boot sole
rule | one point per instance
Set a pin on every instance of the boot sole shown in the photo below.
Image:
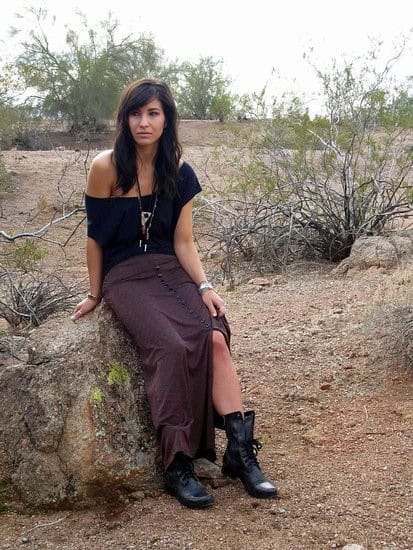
(189, 503)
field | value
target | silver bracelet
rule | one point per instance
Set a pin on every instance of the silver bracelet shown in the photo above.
(204, 286)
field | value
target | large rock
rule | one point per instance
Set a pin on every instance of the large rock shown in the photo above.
(378, 251)
(74, 420)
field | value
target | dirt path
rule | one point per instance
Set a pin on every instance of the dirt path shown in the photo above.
(334, 415)
(334, 411)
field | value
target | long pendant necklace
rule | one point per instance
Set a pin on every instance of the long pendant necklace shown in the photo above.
(146, 218)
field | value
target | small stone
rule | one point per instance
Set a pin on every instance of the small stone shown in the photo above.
(259, 281)
(206, 469)
(137, 495)
(353, 547)
(210, 472)
(325, 386)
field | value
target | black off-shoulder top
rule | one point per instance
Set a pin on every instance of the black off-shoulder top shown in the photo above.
(114, 222)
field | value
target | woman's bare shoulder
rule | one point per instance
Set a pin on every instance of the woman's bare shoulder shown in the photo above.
(103, 162)
(102, 175)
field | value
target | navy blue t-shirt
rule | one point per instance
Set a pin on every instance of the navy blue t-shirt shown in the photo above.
(114, 222)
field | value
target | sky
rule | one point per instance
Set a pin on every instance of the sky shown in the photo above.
(261, 42)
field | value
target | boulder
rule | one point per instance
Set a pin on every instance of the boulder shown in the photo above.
(75, 426)
(378, 251)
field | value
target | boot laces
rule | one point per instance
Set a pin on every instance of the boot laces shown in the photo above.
(253, 446)
(256, 446)
(185, 470)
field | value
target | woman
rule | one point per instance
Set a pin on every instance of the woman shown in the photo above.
(142, 260)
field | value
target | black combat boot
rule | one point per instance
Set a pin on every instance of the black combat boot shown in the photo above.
(182, 483)
(240, 458)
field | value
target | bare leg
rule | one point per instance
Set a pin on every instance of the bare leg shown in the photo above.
(226, 390)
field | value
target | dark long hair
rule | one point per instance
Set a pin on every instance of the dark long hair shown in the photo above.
(169, 152)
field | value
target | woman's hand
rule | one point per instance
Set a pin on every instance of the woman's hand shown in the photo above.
(83, 308)
(214, 303)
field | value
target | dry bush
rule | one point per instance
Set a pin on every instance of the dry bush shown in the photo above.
(4, 177)
(27, 299)
(407, 338)
(314, 186)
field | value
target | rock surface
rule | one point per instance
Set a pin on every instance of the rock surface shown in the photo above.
(74, 421)
(378, 251)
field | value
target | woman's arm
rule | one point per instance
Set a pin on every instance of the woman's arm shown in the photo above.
(94, 266)
(99, 184)
(188, 257)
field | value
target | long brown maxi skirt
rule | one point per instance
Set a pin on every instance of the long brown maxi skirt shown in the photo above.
(160, 306)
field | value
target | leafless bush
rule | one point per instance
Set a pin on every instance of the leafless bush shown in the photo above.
(405, 334)
(408, 342)
(28, 299)
(243, 235)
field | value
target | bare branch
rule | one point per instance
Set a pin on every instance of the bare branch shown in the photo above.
(40, 232)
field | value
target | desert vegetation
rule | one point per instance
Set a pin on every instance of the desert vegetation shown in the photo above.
(289, 186)
(286, 196)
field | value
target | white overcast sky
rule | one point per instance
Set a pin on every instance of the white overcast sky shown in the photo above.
(252, 37)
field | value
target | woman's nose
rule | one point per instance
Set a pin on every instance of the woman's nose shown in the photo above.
(144, 121)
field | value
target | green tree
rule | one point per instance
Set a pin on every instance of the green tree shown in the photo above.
(204, 91)
(15, 115)
(253, 105)
(82, 83)
(400, 107)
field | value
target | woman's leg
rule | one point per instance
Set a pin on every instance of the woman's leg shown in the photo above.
(226, 389)
(240, 456)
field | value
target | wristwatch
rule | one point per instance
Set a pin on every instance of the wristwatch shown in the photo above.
(204, 286)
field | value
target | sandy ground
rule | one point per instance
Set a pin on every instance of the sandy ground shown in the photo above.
(334, 403)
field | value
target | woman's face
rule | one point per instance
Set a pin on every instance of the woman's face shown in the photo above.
(147, 123)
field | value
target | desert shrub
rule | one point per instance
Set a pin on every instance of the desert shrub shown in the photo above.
(26, 256)
(204, 91)
(243, 227)
(313, 186)
(348, 173)
(407, 336)
(5, 176)
(402, 334)
(27, 138)
(28, 299)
